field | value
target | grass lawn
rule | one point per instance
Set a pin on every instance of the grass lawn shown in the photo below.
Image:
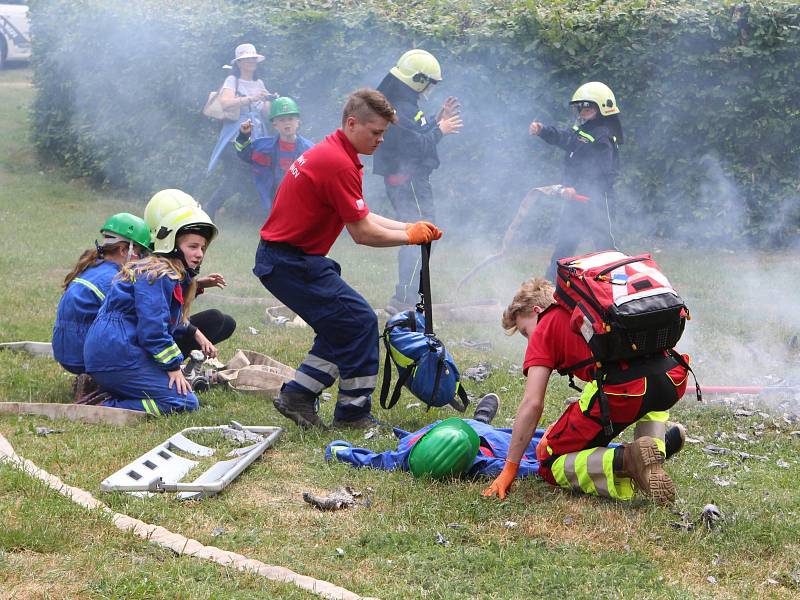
(563, 545)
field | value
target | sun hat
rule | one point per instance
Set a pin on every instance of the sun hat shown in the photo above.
(247, 51)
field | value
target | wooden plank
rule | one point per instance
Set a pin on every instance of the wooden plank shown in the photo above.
(106, 415)
(33, 348)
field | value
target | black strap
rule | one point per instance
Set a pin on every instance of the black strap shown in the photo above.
(605, 411)
(425, 288)
(680, 360)
(462, 394)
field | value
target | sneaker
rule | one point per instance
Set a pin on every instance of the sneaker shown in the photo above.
(364, 422)
(486, 409)
(300, 408)
(641, 462)
(675, 438)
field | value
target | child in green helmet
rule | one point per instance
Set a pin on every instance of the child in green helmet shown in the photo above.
(125, 237)
(272, 156)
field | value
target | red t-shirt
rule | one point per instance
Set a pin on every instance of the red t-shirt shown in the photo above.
(319, 194)
(553, 344)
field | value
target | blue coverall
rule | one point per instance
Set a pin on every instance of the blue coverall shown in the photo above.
(490, 460)
(76, 313)
(269, 162)
(131, 344)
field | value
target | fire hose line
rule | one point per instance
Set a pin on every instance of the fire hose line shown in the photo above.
(173, 541)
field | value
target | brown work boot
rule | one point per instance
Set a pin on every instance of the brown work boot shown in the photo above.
(300, 408)
(83, 386)
(675, 438)
(641, 461)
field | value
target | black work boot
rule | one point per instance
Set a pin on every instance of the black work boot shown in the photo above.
(486, 409)
(675, 438)
(641, 461)
(83, 386)
(300, 408)
(365, 422)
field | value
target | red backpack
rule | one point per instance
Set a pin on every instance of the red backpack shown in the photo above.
(625, 309)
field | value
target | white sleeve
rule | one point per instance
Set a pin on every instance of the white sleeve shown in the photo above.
(229, 83)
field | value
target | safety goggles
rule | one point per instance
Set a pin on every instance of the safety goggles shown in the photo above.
(422, 78)
(581, 104)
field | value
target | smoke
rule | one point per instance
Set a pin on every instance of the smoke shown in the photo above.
(745, 309)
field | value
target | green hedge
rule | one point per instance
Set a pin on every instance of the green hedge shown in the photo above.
(708, 92)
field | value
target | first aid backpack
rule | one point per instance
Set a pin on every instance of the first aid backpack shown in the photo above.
(623, 306)
(424, 366)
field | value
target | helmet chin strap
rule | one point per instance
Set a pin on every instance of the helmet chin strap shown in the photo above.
(193, 272)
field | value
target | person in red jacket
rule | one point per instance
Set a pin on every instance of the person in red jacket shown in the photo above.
(574, 452)
(319, 196)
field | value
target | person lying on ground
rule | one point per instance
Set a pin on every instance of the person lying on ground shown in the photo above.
(125, 238)
(449, 451)
(130, 349)
(320, 196)
(574, 453)
(271, 156)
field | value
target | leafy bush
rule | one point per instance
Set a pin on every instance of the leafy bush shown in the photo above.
(707, 91)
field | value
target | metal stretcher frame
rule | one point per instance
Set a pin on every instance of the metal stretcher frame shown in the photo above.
(161, 469)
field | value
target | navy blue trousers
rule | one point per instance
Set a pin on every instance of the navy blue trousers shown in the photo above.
(346, 341)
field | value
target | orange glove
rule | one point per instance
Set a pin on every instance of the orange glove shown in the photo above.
(502, 484)
(420, 232)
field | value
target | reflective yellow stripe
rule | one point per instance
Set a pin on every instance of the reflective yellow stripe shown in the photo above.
(150, 407)
(583, 134)
(91, 286)
(146, 406)
(401, 359)
(167, 354)
(419, 115)
(589, 390)
(239, 146)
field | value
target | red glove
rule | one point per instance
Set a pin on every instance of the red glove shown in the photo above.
(502, 484)
(420, 232)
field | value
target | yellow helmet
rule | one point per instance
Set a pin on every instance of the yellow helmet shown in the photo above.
(186, 219)
(600, 94)
(417, 69)
(163, 203)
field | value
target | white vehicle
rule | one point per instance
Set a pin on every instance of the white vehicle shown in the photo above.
(15, 37)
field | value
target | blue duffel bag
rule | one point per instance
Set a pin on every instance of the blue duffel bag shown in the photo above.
(424, 365)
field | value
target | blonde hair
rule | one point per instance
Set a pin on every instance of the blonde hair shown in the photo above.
(153, 267)
(90, 258)
(533, 292)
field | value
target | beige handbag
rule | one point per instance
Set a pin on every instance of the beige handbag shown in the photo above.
(214, 109)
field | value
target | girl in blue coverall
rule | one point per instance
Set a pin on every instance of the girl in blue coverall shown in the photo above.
(130, 349)
(125, 237)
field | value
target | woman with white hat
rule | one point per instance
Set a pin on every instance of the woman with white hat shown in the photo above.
(245, 91)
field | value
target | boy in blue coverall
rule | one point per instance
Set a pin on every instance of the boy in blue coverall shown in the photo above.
(272, 156)
(130, 349)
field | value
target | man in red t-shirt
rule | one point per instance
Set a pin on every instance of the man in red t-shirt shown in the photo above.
(321, 195)
(574, 451)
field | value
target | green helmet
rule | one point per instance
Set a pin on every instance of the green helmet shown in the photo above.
(127, 226)
(600, 94)
(282, 107)
(188, 219)
(417, 68)
(447, 449)
(163, 203)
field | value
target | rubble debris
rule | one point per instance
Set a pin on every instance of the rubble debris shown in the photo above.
(710, 516)
(253, 330)
(568, 521)
(711, 579)
(472, 344)
(510, 524)
(454, 525)
(743, 412)
(218, 531)
(339, 551)
(337, 499)
(723, 482)
(478, 373)
(45, 431)
(441, 540)
(782, 464)
(714, 449)
(413, 405)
